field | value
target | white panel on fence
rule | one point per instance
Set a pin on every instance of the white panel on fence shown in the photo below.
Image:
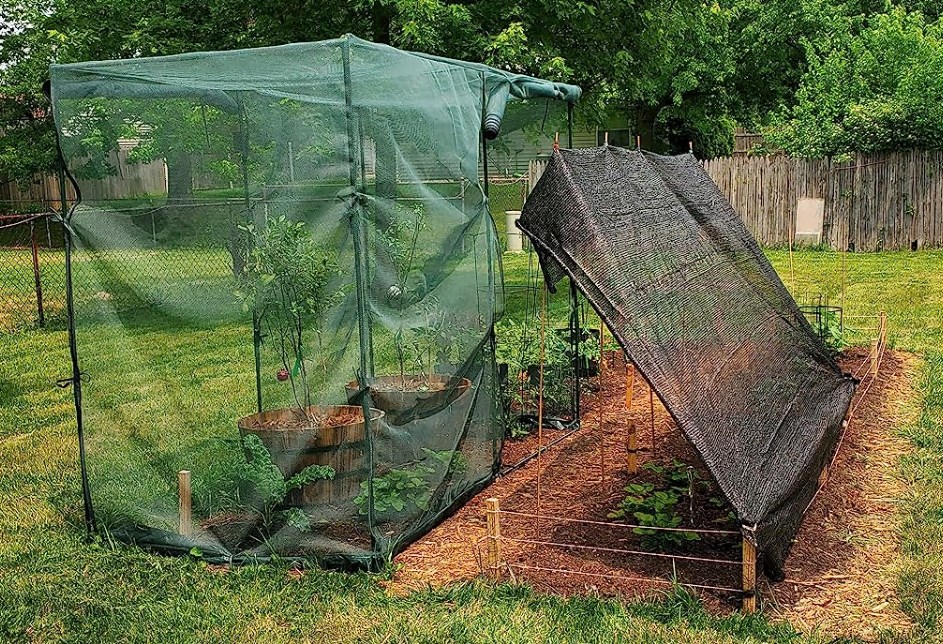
(810, 215)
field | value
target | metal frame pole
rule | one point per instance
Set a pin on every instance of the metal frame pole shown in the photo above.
(357, 226)
(360, 272)
(76, 378)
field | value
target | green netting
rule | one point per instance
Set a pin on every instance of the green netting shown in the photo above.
(300, 315)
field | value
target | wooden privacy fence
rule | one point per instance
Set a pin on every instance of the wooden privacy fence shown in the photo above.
(891, 201)
(130, 180)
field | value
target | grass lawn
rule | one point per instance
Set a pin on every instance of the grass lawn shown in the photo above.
(54, 586)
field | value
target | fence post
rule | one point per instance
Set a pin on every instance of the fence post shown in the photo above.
(749, 575)
(37, 280)
(494, 538)
(185, 526)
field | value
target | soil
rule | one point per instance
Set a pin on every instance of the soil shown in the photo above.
(299, 420)
(847, 537)
(242, 531)
(411, 384)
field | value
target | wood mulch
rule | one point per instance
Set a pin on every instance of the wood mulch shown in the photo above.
(840, 575)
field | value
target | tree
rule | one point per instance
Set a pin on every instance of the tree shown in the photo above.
(876, 84)
(665, 62)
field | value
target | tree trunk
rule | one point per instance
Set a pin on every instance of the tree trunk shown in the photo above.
(382, 22)
(179, 177)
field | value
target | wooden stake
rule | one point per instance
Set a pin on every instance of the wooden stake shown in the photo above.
(632, 440)
(185, 527)
(651, 411)
(602, 382)
(879, 343)
(638, 143)
(629, 385)
(606, 138)
(556, 142)
(493, 512)
(749, 576)
(540, 393)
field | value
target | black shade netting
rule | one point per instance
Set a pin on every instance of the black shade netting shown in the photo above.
(664, 259)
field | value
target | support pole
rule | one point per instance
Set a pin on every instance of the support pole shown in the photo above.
(66, 215)
(357, 227)
(37, 281)
(569, 125)
(632, 439)
(495, 563)
(879, 342)
(576, 334)
(602, 382)
(291, 163)
(185, 525)
(749, 576)
(651, 413)
(540, 392)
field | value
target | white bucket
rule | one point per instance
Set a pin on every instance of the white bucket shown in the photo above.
(514, 235)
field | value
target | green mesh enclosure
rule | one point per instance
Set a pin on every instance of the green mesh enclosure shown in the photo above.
(292, 327)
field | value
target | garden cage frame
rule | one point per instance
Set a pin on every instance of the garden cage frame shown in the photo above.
(291, 353)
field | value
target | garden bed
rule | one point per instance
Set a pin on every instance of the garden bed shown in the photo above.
(840, 574)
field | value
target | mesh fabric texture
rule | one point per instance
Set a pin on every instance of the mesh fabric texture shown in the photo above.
(667, 263)
(319, 251)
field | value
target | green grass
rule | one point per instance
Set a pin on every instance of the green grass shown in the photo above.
(56, 587)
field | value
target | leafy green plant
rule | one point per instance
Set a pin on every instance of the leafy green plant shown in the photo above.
(832, 331)
(651, 506)
(271, 488)
(287, 285)
(401, 242)
(409, 487)
(519, 348)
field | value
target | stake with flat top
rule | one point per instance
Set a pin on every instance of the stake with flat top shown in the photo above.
(185, 526)
(493, 513)
(749, 576)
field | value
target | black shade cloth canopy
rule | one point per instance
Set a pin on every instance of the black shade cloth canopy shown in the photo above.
(664, 259)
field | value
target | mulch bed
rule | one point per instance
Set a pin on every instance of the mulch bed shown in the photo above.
(841, 567)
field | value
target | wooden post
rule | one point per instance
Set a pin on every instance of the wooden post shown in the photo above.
(37, 280)
(749, 576)
(291, 163)
(602, 381)
(631, 447)
(185, 527)
(493, 512)
(651, 410)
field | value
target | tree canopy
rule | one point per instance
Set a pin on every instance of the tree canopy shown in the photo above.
(822, 76)
(875, 85)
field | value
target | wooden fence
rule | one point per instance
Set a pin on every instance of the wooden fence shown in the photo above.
(890, 201)
(871, 202)
(129, 180)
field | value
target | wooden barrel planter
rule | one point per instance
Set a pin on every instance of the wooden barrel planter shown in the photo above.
(338, 440)
(412, 402)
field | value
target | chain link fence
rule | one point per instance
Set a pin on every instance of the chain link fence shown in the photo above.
(32, 269)
(152, 267)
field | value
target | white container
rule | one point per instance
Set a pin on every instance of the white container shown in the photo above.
(514, 235)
